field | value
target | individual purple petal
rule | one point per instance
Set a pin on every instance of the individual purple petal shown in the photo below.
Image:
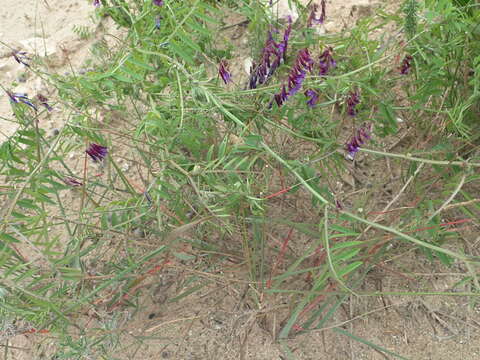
(97, 152)
(353, 99)
(406, 65)
(72, 181)
(21, 57)
(326, 61)
(312, 96)
(158, 2)
(223, 72)
(96, 3)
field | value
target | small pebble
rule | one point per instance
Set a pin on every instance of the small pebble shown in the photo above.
(22, 78)
(138, 233)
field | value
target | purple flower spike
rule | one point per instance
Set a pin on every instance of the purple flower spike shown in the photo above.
(97, 152)
(43, 101)
(358, 139)
(21, 57)
(283, 45)
(312, 19)
(327, 61)
(224, 73)
(297, 74)
(21, 98)
(158, 2)
(72, 181)
(406, 65)
(312, 96)
(96, 3)
(353, 100)
(273, 54)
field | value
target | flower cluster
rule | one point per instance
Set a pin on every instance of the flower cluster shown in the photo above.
(21, 57)
(406, 65)
(312, 19)
(353, 99)
(273, 54)
(97, 152)
(358, 139)
(224, 72)
(327, 61)
(21, 98)
(96, 3)
(297, 74)
(158, 2)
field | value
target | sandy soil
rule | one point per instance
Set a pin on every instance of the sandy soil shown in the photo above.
(45, 29)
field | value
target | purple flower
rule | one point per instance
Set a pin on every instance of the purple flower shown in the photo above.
(97, 152)
(43, 101)
(20, 98)
(338, 205)
(326, 62)
(21, 57)
(223, 72)
(273, 54)
(158, 2)
(312, 19)
(72, 181)
(312, 96)
(358, 139)
(96, 3)
(281, 97)
(406, 65)
(297, 74)
(353, 100)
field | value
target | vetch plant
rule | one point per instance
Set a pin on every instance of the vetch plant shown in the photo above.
(205, 176)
